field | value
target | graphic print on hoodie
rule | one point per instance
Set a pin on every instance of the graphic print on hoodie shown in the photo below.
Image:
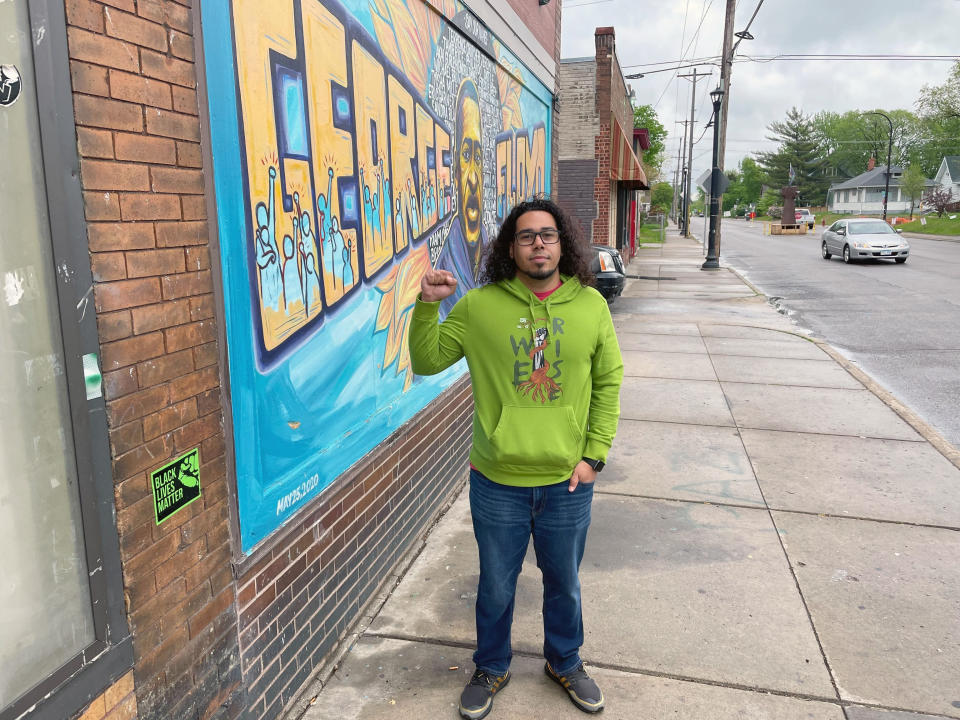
(532, 379)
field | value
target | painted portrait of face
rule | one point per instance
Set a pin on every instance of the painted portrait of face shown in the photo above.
(469, 164)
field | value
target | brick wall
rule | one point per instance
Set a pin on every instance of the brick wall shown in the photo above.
(138, 133)
(118, 702)
(555, 114)
(300, 596)
(575, 181)
(620, 98)
(542, 20)
(577, 124)
(605, 58)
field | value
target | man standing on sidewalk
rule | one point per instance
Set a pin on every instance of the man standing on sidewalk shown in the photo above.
(546, 371)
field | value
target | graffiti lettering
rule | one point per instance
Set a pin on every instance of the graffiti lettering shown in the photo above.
(521, 158)
(357, 167)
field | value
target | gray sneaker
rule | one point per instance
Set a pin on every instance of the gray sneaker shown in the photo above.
(583, 692)
(476, 700)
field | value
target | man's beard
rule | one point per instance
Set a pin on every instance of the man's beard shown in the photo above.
(538, 273)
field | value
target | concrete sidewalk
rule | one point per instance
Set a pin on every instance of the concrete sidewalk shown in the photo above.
(770, 539)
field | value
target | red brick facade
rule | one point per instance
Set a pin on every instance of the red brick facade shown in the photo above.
(215, 635)
(138, 135)
(586, 138)
(543, 21)
(604, 41)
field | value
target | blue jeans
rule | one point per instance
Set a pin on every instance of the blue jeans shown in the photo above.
(503, 519)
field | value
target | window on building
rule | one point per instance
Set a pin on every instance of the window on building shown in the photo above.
(56, 613)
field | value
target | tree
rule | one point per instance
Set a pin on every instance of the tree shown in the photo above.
(798, 149)
(912, 182)
(939, 197)
(848, 140)
(733, 195)
(942, 101)
(644, 116)
(700, 203)
(661, 197)
(939, 108)
(751, 178)
(771, 198)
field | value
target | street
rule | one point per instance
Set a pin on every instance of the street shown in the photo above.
(897, 322)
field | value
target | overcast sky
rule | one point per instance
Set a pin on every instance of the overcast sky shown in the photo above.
(761, 92)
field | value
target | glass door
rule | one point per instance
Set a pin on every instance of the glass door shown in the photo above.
(46, 617)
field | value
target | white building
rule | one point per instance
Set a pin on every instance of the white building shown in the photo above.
(948, 175)
(863, 194)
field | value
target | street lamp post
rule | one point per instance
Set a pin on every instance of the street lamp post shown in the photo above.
(713, 262)
(886, 188)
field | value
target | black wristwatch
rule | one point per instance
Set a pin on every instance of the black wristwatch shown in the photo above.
(597, 465)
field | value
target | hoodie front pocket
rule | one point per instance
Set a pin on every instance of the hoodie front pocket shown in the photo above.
(535, 436)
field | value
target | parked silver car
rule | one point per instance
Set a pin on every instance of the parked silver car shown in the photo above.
(862, 239)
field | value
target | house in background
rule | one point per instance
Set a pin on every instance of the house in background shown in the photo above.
(863, 194)
(599, 176)
(948, 175)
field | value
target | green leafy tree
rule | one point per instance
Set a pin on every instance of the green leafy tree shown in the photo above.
(770, 198)
(700, 203)
(799, 149)
(661, 197)
(939, 108)
(644, 116)
(913, 183)
(733, 195)
(941, 137)
(942, 101)
(848, 140)
(746, 184)
(751, 178)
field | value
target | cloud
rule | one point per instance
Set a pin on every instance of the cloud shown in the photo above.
(762, 93)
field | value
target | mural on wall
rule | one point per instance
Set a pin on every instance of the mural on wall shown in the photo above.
(355, 144)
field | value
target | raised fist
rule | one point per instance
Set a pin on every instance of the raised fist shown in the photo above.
(437, 285)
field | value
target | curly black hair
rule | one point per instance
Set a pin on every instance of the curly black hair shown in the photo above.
(575, 255)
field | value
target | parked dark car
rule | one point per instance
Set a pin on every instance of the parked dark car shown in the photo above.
(607, 265)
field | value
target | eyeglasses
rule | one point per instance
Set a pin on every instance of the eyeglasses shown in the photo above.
(528, 237)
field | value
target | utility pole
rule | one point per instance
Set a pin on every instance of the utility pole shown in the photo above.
(678, 196)
(693, 107)
(676, 183)
(726, 66)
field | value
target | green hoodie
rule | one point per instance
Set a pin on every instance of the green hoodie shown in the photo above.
(546, 375)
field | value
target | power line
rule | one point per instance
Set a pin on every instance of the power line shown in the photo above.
(582, 4)
(683, 37)
(695, 34)
(705, 59)
(715, 59)
(670, 69)
(864, 56)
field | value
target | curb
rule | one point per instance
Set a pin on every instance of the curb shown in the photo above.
(887, 398)
(924, 429)
(938, 238)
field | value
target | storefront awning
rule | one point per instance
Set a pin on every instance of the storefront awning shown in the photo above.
(625, 167)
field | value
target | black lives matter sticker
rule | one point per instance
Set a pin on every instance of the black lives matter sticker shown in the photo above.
(10, 85)
(176, 485)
